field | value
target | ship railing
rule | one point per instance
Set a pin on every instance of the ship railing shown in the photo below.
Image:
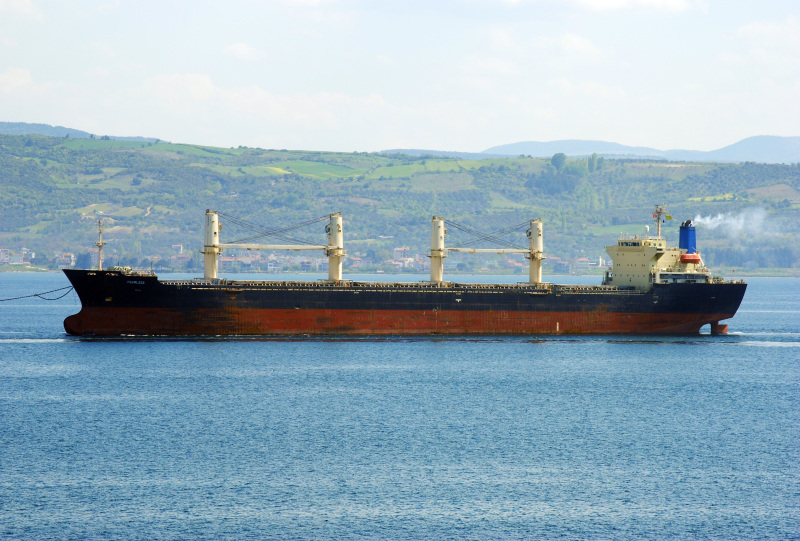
(629, 236)
(378, 286)
(541, 288)
(130, 271)
(595, 289)
(183, 282)
(701, 270)
(721, 280)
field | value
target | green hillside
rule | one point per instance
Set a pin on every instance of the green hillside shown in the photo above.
(153, 195)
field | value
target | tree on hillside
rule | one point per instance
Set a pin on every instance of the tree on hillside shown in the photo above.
(558, 160)
(593, 162)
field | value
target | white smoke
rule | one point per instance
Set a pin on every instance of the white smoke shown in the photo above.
(753, 220)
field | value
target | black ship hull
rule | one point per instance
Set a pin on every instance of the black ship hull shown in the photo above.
(115, 304)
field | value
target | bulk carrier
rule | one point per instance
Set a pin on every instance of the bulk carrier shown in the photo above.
(650, 289)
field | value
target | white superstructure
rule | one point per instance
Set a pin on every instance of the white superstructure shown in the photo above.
(642, 260)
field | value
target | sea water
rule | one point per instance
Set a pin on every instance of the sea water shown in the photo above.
(647, 437)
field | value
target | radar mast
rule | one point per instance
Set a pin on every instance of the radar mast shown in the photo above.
(100, 243)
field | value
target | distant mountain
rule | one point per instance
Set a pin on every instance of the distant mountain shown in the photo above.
(572, 147)
(761, 149)
(416, 152)
(24, 128)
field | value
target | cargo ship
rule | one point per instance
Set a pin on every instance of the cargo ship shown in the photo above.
(649, 289)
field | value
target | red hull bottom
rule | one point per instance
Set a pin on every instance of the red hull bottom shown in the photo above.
(219, 322)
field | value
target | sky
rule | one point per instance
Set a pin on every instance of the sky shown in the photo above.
(353, 75)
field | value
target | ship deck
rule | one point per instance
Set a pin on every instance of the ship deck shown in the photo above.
(290, 285)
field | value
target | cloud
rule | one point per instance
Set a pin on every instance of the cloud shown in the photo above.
(385, 60)
(195, 96)
(787, 31)
(773, 40)
(501, 37)
(669, 6)
(181, 87)
(490, 64)
(15, 80)
(306, 3)
(243, 51)
(769, 51)
(588, 89)
(572, 43)
(6, 41)
(23, 7)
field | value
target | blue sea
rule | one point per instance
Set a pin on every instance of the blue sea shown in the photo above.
(686, 437)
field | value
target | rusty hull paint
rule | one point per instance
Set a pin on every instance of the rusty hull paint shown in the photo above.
(101, 321)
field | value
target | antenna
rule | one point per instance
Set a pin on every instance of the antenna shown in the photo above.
(661, 210)
(100, 243)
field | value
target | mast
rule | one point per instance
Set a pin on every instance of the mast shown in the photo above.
(661, 210)
(100, 243)
(438, 252)
(211, 247)
(335, 249)
(536, 251)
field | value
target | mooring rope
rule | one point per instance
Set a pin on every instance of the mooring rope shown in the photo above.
(68, 288)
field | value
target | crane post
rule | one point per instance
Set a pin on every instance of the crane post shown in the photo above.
(211, 248)
(536, 251)
(438, 253)
(335, 249)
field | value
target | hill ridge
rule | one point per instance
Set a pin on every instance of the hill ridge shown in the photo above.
(758, 148)
(33, 128)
